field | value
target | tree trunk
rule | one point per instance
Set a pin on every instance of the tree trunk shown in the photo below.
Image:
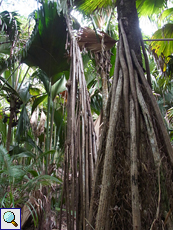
(12, 109)
(80, 148)
(133, 187)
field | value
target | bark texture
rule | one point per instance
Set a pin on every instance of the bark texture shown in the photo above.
(80, 149)
(132, 187)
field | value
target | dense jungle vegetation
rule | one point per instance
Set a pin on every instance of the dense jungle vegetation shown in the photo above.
(86, 114)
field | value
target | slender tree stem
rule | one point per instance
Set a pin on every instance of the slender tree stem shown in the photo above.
(146, 62)
(155, 107)
(149, 125)
(108, 162)
(134, 170)
(131, 75)
(125, 85)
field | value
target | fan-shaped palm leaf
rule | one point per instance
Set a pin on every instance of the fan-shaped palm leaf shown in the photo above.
(168, 13)
(149, 7)
(160, 47)
(89, 6)
(46, 47)
(145, 7)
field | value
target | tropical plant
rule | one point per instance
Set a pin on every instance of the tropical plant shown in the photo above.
(18, 88)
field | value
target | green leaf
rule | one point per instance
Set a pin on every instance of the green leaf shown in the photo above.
(5, 48)
(43, 77)
(8, 89)
(59, 87)
(25, 154)
(41, 179)
(96, 103)
(33, 172)
(88, 6)
(27, 139)
(149, 7)
(23, 124)
(3, 130)
(113, 57)
(59, 118)
(163, 47)
(24, 94)
(46, 153)
(47, 43)
(38, 101)
(167, 13)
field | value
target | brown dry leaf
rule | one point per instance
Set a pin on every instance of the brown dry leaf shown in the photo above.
(34, 201)
(87, 38)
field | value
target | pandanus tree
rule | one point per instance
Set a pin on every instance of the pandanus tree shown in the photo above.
(132, 186)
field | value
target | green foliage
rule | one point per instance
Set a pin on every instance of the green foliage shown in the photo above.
(23, 124)
(10, 24)
(37, 102)
(160, 47)
(60, 123)
(167, 14)
(149, 7)
(16, 180)
(46, 47)
(90, 6)
(144, 7)
(58, 87)
(3, 129)
(40, 74)
(24, 93)
(96, 102)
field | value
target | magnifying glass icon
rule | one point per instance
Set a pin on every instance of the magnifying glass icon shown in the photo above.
(9, 217)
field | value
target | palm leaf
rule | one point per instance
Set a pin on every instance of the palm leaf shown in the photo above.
(90, 6)
(24, 93)
(144, 7)
(37, 101)
(91, 41)
(9, 24)
(23, 124)
(167, 13)
(149, 7)
(160, 47)
(46, 47)
(58, 87)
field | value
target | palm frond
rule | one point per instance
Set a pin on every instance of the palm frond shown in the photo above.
(91, 41)
(168, 13)
(46, 46)
(10, 24)
(88, 6)
(149, 7)
(160, 47)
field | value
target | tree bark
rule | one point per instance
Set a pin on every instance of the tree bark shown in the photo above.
(128, 14)
(108, 163)
(133, 187)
